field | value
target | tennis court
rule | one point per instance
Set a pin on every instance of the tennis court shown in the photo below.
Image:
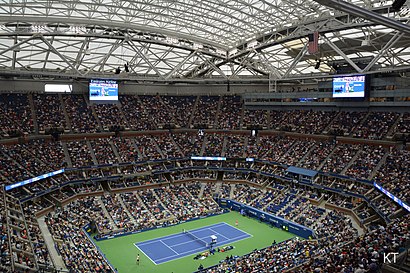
(175, 246)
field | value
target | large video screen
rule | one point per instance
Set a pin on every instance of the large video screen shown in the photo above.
(103, 90)
(349, 87)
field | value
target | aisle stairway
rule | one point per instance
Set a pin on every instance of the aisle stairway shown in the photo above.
(106, 213)
(33, 112)
(48, 239)
(351, 161)
(124, 207)
(67, 120)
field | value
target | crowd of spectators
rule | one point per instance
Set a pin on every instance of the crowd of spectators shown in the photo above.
(77, 251)
(382, 203)
(275, 147)
(148, 148)
(103, 151)
(235, 146)
(340, 158)
(23, 164)
(306, 122)
(296, 152)
(49, 112)
(22, 161)
(276, 258)
(394, 174)
(136, 114)
(376, 125)
(168, 147)
(307, 216)
(316, 157)
(126, 148)
(181, 107)
(5, 255)
(110, 115)
(79, 153)
(16, 114)
(189, 144)
(154, 107)
(147, 112)
(180, 202)
(366, 162)
(170, 204)
(80, 114)
(213, 145)
(336, 225)
(205, 112)
(27, 247)
(403, 125)
(11, 170)
(230, 112)
(334, 253)
(345, 122)
(117, 212)
(49, 152)
(142, 216)
(154, 205)
(255, 118)
(265, 199)
(362, 254)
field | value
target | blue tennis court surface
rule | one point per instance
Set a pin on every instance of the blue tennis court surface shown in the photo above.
(175, 246)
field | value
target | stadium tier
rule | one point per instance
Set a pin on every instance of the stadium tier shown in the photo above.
(72, 113)
(126, 184)
(206, 136)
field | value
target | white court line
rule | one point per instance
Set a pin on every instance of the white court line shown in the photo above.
(196, 251)
(219, 233)
(169, 247)
(192, 251)
(188, 242)
(162, 238)
(172, 236)
(238, 229)
(145, 254)
(236, 239)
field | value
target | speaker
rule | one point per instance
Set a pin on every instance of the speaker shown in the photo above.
(396, 6)
(317, 64)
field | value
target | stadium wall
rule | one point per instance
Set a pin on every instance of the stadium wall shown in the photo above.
(37, 86)
(277, 221)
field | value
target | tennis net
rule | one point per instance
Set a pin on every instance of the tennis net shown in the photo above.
(199, 240)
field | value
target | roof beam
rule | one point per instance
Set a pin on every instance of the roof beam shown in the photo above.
(366, 14)
(300, 55)
(180, 64)
(142, 56)
(17, 45)
(342, 54)
(383, 51)
(55, 51)
(213, 67)
(271, 69)
(102, 61)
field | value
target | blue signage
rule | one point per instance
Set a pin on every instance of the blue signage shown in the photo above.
(210, 158)
(394, 198)
(277, 221)
(32, 180)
